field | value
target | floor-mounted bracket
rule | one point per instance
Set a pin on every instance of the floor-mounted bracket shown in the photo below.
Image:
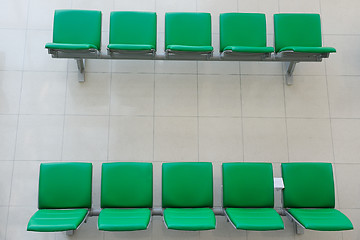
(81, 66)
(70, 233)
(289, 72)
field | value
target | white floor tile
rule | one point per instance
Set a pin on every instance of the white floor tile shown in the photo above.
(12, 52)
(13, 14)
(6, 170)
(10, 83)
(8, 129)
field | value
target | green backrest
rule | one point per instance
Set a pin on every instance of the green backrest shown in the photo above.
(248, 185)
(126, 185)
(77, 27)
(187, 184)
(308, 185)
(242, 29)
(189, 29)
(133, 28)
(297, 30)
(65, 185)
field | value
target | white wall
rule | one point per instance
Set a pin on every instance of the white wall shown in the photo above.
(174, 111)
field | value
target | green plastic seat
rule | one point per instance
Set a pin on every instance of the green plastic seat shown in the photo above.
(187, 32)
(132, 32)
(309, 196)
(76, 30)
(126, 196)
(64, 197)
(187, 196)
(299, 33)
(248, 196)
(243, 33)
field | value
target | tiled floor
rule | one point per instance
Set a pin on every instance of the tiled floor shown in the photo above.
(166, 111)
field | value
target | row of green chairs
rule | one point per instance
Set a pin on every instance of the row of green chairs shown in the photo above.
(187, 196)
(241, 34)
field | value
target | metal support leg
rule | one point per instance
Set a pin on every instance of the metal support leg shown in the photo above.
(70, 233)
(81, 66)
(299, 229)
(289, 73)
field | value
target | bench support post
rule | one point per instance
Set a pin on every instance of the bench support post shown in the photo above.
(299, 228)
(70, 233)
(81, 66)
(289, 73)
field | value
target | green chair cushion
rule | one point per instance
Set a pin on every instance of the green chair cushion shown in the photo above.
(308, 185)
(187, 29)
(65, 185)
(126, 185)
(66, 46)
(77, 27)
(133, 28)
(258, 219)
(190, 48)
(248, 185)
(297, 29)
(111, 219)
(187, 184)
(326, 219)
(135, 47)
(250, 49)
(309, 49)
(242, 29)
(53, 220)
(193, 219)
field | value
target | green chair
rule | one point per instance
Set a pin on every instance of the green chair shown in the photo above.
(132, 33)
(248, 196)
(126, 196)
(187, 196)
(64, 197)
(76, 33)
(188, 33)
(309, 197)
(244, 35)
(299, 34)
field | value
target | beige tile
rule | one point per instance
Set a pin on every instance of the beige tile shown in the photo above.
(222, 68)
(262, 68)
(293, 6)
(136, 5)
(25, 184)
(6, 170)
(265, 140)
(175, 95)
(319, 235)
(12, 52)
(43, 93)
(348, 185)
(94, 65)
(354, 216)
(308, 69)
(262, 96)
(133, 66)
(215, 8)
(82, 133)
(176, 139)
(46, 10)
(128, 235)
(3, 221)
(132, 94)
(309, 140)
(19, 216)
(340, 17)
(346, 136)
(35, 49)
(220, 139)
(157, 184)
(344, 96)
(10, 83)
(8, 129)
(219, 95)
(217, 185)
(13, 14)
(131, 139)
(91, 97)
(179, 67)
(307, 97)
(39, 137)
(344, 61)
